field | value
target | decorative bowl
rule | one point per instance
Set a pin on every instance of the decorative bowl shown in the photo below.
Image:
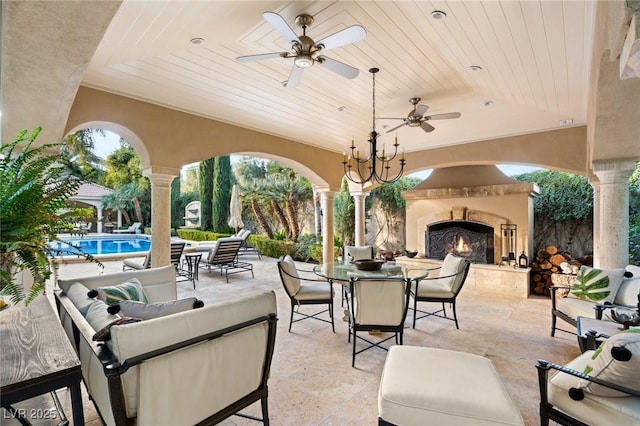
(410, 254)
(368, 264)
(628, 317)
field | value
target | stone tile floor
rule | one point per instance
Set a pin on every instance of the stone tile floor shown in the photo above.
(312, 381)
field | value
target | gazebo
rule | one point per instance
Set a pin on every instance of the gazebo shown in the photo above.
(91, 194)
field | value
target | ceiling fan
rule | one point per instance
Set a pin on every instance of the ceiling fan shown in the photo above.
(417, 117)
(306, 52)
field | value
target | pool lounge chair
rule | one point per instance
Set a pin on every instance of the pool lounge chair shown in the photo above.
(130, 230)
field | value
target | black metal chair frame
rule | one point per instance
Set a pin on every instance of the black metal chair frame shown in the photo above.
(443, 300)
(226, 258)
(114, 369)
(295, 303)
(397, 330)
(548, 411)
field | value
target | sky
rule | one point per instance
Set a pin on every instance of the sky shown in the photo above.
(111, 142)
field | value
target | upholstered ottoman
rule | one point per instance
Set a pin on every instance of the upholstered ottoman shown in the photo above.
(430, 386)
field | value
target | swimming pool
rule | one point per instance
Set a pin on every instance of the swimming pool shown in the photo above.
(102, 245)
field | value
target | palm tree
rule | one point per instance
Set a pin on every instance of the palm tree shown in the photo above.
(294, 189)
(274, 189)
(254, 193)
(118, 201)
(77, 149)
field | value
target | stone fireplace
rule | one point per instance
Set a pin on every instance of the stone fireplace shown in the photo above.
(463, 210)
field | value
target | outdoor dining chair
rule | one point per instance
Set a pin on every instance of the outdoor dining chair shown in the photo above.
(304, 290)
(442, 286)
(378, 305)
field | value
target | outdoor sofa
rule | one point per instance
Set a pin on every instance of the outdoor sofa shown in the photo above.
(199, 365)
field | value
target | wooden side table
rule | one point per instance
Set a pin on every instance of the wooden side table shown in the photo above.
(36, 356)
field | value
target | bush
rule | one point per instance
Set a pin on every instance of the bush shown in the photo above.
(198, 235)
(274, 248)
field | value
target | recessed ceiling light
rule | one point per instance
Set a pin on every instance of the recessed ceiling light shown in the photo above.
(566, 121)
(488, 103)
(196, 40)
(284, 83)
(475, 67)
(342, 108)
(438, 15)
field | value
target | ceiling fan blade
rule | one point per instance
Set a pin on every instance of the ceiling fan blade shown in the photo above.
(281, 26)
(390, 118)
(427, 127)
(294, 77)
(261, 56)
(396, 128)
(338, 67)
(444, 116)
(420, 110)
(349, 35)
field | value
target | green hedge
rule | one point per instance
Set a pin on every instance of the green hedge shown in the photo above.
(198, 235)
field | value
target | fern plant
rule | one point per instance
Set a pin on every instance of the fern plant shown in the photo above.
(34, 189)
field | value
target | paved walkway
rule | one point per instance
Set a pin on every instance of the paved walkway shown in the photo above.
(312, 382)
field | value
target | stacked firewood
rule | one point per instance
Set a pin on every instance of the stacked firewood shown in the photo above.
(547, 262)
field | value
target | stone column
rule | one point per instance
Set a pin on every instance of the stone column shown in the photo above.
(595, 184)
(358, 198)
(99, 218)
(613, 241)
(326, 200)
(160, 217)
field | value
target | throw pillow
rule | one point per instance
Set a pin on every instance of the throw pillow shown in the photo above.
(617, 360)
(104, 334)
(145, 311)
(597, 285)
(97, 315)
(129, 290)
(77, 293)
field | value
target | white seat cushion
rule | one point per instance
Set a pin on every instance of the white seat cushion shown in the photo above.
(446, 387)
(593, 409)
(576, 307)
(312, 291)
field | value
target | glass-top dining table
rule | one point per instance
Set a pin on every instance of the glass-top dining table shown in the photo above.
(344, 271)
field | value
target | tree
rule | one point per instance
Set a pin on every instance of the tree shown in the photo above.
(206, 193)
(124, 175)
(222, 185)
(177, 210)
(345, 212)
(389, 201)
(77, 150)
(255, 192)
(634, 217)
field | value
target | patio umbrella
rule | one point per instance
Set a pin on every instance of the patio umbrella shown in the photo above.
(235, 210)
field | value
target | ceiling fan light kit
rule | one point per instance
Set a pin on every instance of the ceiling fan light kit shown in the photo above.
(417, 117)
(305, 51)
(374, 167)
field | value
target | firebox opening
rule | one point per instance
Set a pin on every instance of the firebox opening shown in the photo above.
(471, 240)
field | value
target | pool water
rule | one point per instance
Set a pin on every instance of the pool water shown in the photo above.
(105, 245)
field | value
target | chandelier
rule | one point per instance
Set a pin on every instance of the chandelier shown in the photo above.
(372, 167)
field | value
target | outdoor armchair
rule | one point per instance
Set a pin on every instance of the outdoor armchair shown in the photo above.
(442, 287)
(305, 291)
(349, 254)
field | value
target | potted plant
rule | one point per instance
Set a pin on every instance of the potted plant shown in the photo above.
(34, 189)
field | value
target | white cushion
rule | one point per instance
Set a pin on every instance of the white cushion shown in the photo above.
(423, 385)
(289, 275)
(597, 285)
(241, 354)
(608, 363)
(593, 409)
(450, 266)
(314, 291)
(77, 293)
(379, 302)
(357, 253)
(135, 309)
(576, 307)
(629, 289)
(97, 315)
(159, 283)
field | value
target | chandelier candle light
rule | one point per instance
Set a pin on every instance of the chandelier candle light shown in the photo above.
(378, 165)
